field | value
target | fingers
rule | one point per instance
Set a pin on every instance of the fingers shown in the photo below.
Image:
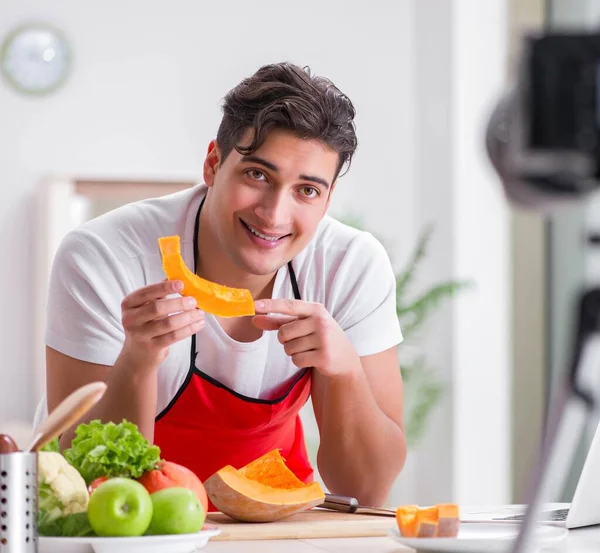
(296, 329)
(271, 322)
(287, 306)
(300, 345)
(305, 359)
(179, 333)
(173, 323)
(289, 327)
(151, 292)
(158, 309)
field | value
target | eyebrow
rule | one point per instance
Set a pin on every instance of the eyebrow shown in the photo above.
(275, 169)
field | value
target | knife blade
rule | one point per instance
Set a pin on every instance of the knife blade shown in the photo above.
(347, 504)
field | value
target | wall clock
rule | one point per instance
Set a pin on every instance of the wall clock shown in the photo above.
(35, 59)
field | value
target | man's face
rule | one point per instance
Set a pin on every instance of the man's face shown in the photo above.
(266, 207)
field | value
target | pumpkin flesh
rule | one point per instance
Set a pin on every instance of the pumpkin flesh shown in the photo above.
(262, 491)
(214, 298)
(439, 521)
(448, 520)
(271, 470)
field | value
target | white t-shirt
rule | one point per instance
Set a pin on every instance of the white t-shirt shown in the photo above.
(103, 260)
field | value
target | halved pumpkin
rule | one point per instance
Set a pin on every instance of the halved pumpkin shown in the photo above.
(439, 521)
(264, 490)
(211, 297)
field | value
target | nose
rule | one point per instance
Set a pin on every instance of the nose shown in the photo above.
(274, 209)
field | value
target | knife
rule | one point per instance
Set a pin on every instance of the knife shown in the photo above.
(347, 504)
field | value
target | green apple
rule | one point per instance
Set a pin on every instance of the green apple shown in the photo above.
(120, 507)
(176, 511)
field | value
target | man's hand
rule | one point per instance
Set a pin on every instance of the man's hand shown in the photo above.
(360, 417)
(153, 322)
(309, 334)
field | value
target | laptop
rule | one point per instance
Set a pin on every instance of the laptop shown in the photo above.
(584, 510)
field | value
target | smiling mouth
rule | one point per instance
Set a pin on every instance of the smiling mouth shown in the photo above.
(261, 235)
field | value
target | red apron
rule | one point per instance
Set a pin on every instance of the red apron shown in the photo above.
(207, 425)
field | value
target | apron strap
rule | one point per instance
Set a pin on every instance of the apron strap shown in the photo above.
(191, 370)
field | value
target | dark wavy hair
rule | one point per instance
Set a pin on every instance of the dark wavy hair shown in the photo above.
(287, 97)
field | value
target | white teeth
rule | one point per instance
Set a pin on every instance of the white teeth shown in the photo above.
(264, 237)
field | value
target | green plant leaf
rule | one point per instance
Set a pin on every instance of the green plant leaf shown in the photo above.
(413, 315)
(423, 388)
(404, 279)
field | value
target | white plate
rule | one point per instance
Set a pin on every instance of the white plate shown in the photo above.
(177, 543)
(480, 537)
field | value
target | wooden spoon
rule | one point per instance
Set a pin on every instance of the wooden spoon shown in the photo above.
(67, 413)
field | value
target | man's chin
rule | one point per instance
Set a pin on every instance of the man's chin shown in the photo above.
(263, 271)
(258, 268)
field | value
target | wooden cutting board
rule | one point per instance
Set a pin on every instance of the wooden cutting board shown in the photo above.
(317, 523)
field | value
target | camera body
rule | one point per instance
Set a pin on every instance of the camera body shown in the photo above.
(544, 137)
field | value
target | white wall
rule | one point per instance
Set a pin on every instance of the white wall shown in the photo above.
(481, 227)
(143, 101)
(460, 66)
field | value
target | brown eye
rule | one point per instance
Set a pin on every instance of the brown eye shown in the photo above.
(255, 174)
(309, 191)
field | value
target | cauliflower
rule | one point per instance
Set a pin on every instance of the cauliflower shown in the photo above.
(62, 490)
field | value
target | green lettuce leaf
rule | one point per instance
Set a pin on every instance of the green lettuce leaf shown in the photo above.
(109, 449)
(76, 525)
(52, 446)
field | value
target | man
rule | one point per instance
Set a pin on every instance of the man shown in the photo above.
(213, 391)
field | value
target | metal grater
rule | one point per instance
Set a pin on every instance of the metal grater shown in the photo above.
(18, 503)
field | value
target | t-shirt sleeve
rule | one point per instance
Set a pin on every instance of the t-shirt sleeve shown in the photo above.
(87, 286)
(363, 297)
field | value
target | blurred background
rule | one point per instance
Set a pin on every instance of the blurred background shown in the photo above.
(484, 290)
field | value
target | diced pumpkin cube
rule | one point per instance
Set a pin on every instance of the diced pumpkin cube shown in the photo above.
(448, 520)
(442, 521)
(406, 518)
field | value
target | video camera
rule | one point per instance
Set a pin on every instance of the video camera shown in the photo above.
(544, 137)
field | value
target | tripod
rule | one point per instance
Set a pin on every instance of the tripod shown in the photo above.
(568, 418)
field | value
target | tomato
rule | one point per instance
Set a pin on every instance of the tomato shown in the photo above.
(96, 483)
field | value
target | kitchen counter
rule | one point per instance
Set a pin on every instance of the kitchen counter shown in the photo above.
(581, 540)
(577, 541)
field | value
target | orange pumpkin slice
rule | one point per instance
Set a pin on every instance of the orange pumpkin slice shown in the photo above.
(264, 490)
(439, 521)
(211, 297)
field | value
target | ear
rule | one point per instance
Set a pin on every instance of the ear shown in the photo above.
(211, 163)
